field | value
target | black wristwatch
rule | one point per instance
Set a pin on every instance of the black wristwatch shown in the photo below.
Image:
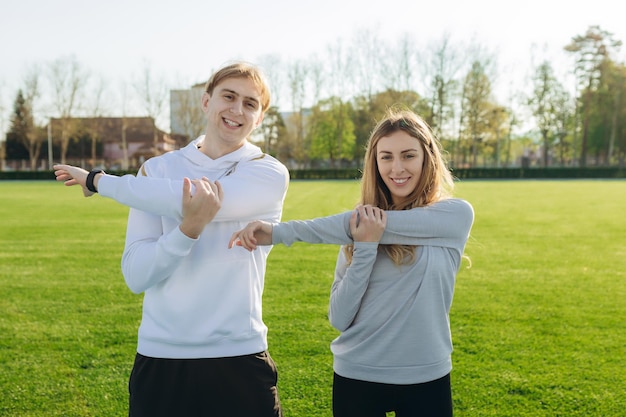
(90, 177)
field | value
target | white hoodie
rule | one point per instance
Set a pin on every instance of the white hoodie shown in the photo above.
(201, 299)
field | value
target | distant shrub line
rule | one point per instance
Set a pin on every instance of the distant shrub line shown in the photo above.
(353, 173)
(540, 173)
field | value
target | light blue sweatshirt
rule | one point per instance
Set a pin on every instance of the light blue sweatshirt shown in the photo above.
(394, 320)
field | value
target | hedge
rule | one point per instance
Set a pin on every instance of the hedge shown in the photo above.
(350, 174)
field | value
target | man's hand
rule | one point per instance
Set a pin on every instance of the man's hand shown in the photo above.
(72, 175)
(367, 223)
(255, 233)
(201, 207)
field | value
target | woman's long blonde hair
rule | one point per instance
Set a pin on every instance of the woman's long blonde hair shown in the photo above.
(435, 183)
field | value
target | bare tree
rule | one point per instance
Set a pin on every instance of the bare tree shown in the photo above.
(341, 66)
(67, 79)
(272, 66)
(297, 76)
(272, 129)
(95, 109)
(399, 64)
(153, 93)
(318, 78)
(368, 62)
(124, 104)
(441, 65)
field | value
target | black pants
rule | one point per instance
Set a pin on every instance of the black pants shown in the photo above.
(241, 386)
(354, 398)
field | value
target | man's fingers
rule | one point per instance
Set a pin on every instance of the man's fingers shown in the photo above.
(186, 188)
(204, 184)
(220, 190)
(61, 174)
(214, 187)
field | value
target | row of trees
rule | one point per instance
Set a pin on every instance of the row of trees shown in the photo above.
(65, 90)
(551, 121)
(325, 106)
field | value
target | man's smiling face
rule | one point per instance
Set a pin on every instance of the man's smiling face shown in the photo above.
(233, 112)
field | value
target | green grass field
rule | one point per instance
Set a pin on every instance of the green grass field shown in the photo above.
(537, 321)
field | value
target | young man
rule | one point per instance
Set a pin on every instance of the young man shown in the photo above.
(202, 345)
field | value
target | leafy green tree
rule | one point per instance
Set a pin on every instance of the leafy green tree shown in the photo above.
(564, 125)
(498, 125)
(272, 129)
(546, 105)
(380, 102)
(607, 124)
(617, 144)
(24, 132)
(368, 110)
(331, 132)
(363, 121)
(476, 110)
(591, 52)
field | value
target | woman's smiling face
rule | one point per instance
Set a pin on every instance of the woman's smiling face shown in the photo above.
(400, 158)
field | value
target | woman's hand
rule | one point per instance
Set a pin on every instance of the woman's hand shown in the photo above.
(255, 233)
(367, 223)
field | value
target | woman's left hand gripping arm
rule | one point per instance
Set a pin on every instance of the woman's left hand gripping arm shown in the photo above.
(367, 223)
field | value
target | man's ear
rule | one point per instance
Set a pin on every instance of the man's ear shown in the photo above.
(204, 101)
(259, 121)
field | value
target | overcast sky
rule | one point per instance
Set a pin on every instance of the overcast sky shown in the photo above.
(188, 39)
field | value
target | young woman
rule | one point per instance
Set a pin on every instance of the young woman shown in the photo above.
(394, 277)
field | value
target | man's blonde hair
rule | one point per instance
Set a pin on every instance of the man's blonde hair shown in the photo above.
(241, 69)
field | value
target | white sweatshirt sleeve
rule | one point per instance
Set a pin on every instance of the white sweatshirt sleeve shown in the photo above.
(160, 196)
(152, 254)
(149, 255)
(163, 196)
